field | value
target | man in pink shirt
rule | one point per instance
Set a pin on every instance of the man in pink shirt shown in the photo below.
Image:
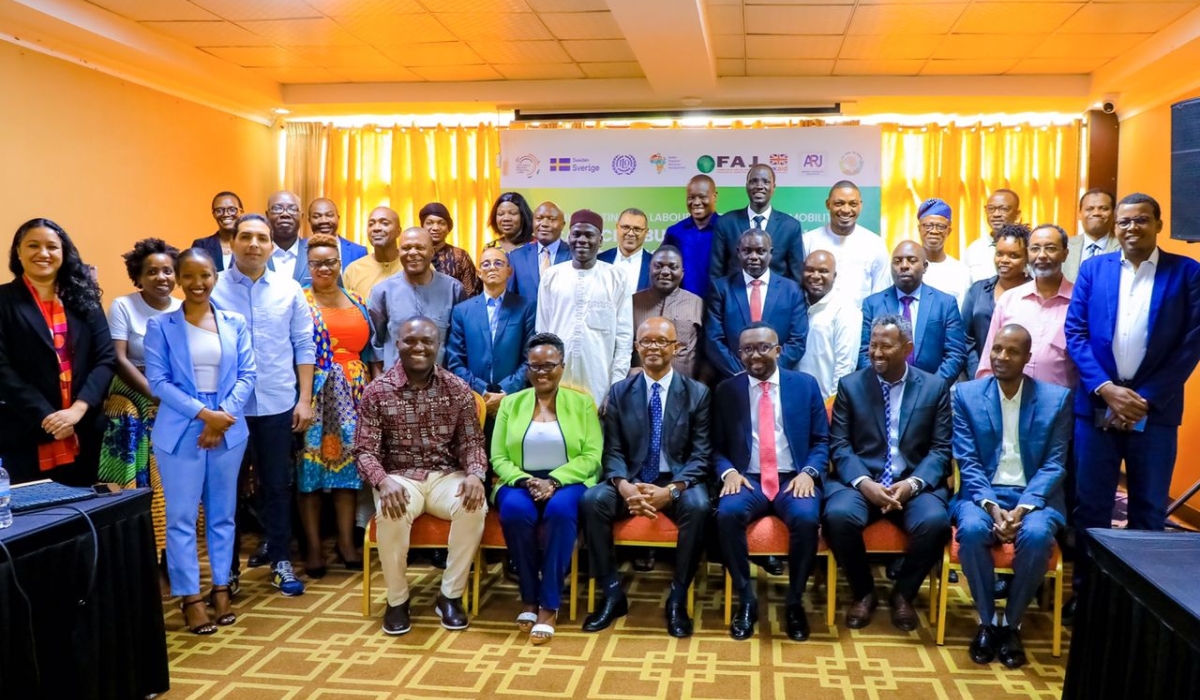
(1040, 306)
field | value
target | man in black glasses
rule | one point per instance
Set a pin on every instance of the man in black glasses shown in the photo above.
(226, 210)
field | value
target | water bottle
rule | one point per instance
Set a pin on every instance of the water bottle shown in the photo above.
(5, 489)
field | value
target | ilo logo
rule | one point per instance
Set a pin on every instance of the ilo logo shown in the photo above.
(624, 164)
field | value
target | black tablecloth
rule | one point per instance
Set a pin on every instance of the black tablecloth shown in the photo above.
(112, 645)
(1138, 631)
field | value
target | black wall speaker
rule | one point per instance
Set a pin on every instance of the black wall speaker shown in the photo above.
(1185, 170)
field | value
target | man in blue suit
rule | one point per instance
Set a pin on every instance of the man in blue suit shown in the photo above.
(1133, 330)
(1011, 435)
(939, 341)
(488, 333)
(547, 248)
(784, 229)
(890, 442)
(629, 254)
(771, 449)
(754, 293)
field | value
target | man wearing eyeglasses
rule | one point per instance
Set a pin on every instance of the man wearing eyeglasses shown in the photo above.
(944, 272)
(226, 209)
(1003, 207)
(630, 255)
(656, 459)
(1096, 217)
(770, 451)
(1133, 330)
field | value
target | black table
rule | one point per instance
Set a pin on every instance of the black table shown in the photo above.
(113, 644)
(1138, 631)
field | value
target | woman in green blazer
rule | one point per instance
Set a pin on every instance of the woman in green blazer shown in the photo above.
(546, 453)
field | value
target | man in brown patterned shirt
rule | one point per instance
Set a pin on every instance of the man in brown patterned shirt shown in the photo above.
(420, 445)
(667, 299)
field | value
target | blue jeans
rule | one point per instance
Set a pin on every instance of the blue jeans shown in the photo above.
(558, 518)
(271, 451)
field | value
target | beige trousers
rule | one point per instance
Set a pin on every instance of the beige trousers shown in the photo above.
(435, 496)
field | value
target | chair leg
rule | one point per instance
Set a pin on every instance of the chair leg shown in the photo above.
(574, 587)
(831, 581)
(941, 602)
(475, 579)
(366, 574)
(1059, 580)
(935, 580)
(728, 597)
(591, 595)
(691, 604)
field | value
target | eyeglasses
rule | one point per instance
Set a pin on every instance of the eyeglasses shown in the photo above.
(935, 228)
(329, 264)
(222, 211)
(626, 228)
(756, 349)
(1036, 250)
(655, 343)
(1138, 221)
(281, 208)
(998, 209)
(545, 368)
(493, 264)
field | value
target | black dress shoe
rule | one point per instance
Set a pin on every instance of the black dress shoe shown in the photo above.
(741, 627)
(773, 565)
(1012, 651)
(953, 577)
(797, 623)
(983, 647)
(645, 562)
(1068, 612)
(451, 612)
(679, 625)
(612, 608)
(396, 619)
(1002, 583)
(259, 557)
(893, 568)
(510, 570)
(437, 557)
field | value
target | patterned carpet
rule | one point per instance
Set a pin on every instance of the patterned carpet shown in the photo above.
(320, 646)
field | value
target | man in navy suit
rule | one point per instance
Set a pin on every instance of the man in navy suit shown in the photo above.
(547, 248)
(1010, 439)
(323, 217)
(784, 229)
(488, 332)
(754, 293)
(890, 440)
(1133, 330)
(629, 254)
(771, 449)
(226, 210)
(939, 341)
(656, 462)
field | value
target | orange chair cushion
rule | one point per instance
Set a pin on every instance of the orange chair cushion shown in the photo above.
(493, 534)
(427, 531)
(885, 536)
(1002, 555)
(660, 531)
(769, 535)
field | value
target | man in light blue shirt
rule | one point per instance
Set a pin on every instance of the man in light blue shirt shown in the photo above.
(281, 330)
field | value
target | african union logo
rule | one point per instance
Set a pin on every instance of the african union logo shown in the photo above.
(560, 165)
(527, 165)
(851, 163)
(706, 164)
(624, 164)
(659, 161)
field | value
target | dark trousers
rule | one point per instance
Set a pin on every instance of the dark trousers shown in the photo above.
(925, 519)
(1149, 458)
(602, 506)
(541, 539)
(802, 517)
(271, 441)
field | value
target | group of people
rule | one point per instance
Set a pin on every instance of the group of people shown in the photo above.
(744, 368)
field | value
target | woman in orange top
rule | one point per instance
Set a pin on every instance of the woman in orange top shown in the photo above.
(342, 333)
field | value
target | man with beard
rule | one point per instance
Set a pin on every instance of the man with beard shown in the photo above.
(1096, 216)
(361, 276)
(788, 260)
(546, 249)
(226, 210)
(1003, 208)
(586, 303)
(694, 235)
(667, 299)
(630, 255)
(834, 325)
(860, 253)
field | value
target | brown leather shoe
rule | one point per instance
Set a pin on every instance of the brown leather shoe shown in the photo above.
(858, 615)
(451, 612)
(904, 615)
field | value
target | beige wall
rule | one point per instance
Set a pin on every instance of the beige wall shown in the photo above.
(1144, 165)
(113, 162)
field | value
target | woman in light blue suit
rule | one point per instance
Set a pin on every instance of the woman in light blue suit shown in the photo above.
(200, 365)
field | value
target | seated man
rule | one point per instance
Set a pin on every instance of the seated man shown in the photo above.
(1010, 439)
(419, 444)
(890, 440)
(771, 447)
(656, 457)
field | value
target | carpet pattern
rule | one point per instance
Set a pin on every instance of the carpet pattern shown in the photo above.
(319, 646)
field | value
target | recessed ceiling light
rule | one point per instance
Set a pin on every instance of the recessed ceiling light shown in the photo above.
(281, 110)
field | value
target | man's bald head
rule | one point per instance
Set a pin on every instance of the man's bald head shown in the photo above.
(820, 271)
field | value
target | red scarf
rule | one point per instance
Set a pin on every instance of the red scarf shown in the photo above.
(58, 452)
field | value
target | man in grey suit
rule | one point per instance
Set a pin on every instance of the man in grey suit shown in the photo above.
(1096, 215)
(785, 232)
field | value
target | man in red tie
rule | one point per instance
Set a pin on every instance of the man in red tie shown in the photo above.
(754, 294)
(770, 451)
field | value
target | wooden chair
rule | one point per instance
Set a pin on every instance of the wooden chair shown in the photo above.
(428, 532)
(493, 538)
(644, 532)
(768, 536)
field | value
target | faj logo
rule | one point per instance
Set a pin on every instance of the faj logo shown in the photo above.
(741, 164)
(527, 165)
(624, 164)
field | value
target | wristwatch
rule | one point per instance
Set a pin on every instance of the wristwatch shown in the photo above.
(675, 492)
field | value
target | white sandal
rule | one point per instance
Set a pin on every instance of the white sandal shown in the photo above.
(526, 621)
(541, 634)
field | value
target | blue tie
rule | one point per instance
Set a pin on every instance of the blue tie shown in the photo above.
(885, 479)
(493, 314)
(758, 222)
(653, 456)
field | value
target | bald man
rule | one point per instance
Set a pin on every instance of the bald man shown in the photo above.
(383, 229)
(417, 290)
(834, 325)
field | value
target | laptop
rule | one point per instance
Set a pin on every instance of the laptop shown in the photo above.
(45, 494)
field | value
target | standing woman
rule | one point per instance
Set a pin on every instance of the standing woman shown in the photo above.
(125, 454)
(512, 220)
(447, 259)
(342, 334)
(1011, 243)
(546, 452)
(200, 364)
(56, 360)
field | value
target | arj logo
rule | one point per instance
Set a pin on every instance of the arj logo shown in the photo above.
(527, 165)
(659, 161)
(624, 164)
